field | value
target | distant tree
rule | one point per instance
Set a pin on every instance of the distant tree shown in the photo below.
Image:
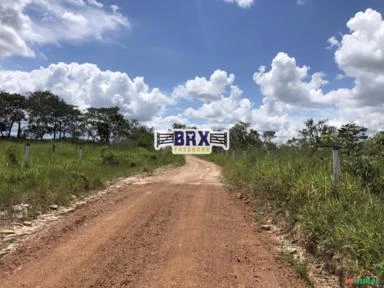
(352, 136)
(313, 132)
(182, 126)
(45, 111)
(253, 138)
(106, 124)
(12, 110)
(3, 128)
(268, 136)
(239, 135)
(178, 126)
(72, 123)
(142, 136)
(242, 137)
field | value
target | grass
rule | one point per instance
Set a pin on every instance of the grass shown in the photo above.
(53, 177)
(349, 222)
(300, 266)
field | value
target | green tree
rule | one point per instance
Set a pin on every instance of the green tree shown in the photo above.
(316, 134)
(268, 136)
(12, 110)
(253, 138)
(352, 136)
(239, 135)
(107, 125)
(45, 111)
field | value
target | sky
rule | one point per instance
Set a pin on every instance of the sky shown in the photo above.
(206, 63)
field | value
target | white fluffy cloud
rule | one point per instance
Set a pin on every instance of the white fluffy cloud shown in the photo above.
(241, 3)
(360, 54)
(224, 111)
(288, 82)
(26, 23)
(291, 94)
(86, 85)
(204, 89)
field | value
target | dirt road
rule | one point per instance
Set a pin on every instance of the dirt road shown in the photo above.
(176, 229)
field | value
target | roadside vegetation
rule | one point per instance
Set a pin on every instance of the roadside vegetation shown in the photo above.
(341, 220)
(111, 146)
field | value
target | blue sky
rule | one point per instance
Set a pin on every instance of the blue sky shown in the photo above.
(171, 42)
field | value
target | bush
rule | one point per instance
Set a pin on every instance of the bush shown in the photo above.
(108, 157)
(10, 156)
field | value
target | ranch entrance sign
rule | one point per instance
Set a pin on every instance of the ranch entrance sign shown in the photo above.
(191, 141)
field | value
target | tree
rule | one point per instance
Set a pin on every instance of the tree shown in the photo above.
(45, 111)
(314, 133)
(242, 137)
(179, 126)
(268, 136)
(253, 138)
(106, 124)
(239, 135)
(352, 136)
(11, 111)
(182, 126)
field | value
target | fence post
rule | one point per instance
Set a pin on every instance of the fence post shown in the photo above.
(336, 163)
(233, 155)
(27, 151)
(53, 148)
(80, 153)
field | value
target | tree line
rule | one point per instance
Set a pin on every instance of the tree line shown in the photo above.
(350, 137)
(43, 113)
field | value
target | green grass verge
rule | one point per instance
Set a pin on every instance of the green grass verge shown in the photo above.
(299, 184)
(54, 176)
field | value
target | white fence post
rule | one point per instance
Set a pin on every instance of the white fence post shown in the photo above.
(80, 153)
(27, 151)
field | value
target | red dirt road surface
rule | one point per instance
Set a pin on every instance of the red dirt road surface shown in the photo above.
(179, 228)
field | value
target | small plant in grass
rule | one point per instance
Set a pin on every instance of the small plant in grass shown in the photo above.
(108, 157)
(10, 156)
(300, 266)
(258, 217)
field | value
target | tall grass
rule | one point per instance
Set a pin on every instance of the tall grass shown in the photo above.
(348, 219)
(55, 176)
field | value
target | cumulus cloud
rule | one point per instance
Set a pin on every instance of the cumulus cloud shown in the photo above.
(241, 3)
(27, 23)
(204, 89)
(289, 83)
(360, 55)
(224, 111)
(85, 85)
(291, 94)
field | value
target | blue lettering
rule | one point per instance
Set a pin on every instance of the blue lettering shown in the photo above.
(178, 138)
(190, 138)
(203, 138)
